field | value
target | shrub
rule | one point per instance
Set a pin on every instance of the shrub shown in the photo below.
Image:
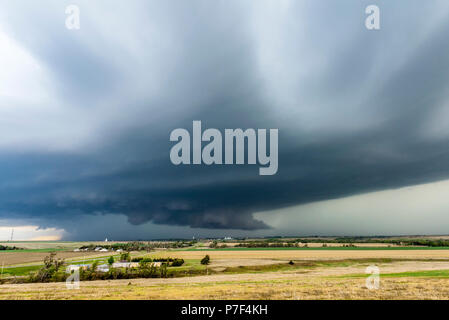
(146, 270)
(163, 271)
(8, 248)
(214, 244)
(163, 259)
(205, 260)
(111, 260)
(125, 256)
(138, 259)
(177, 262)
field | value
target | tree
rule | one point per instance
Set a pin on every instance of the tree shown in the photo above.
(49, 270)
(125, 256)
(205, 260)
(111, 260)
(50, 261)
(213, 244)
(177, 262)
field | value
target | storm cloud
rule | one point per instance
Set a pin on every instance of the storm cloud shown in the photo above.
(84, 129)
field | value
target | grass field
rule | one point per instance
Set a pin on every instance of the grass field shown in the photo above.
(311, 283)
(37, 256)
(248, 273)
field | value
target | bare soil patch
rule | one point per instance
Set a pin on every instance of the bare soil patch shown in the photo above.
(14, 258)
(310, 254)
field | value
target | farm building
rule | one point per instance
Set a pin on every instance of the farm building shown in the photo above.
(75, 267)
(103, 268)
(125, 264)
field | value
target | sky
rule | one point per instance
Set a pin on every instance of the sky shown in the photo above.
(86, 116)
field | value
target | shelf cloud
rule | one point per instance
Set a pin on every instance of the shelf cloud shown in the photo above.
(86, 115)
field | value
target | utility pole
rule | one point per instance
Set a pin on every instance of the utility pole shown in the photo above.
(12, 234)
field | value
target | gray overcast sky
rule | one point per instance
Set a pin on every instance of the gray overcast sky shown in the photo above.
(86, 115)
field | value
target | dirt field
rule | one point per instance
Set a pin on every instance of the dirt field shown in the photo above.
(245, 257)
(15, 258)
(51, 244)
(365, 245)
(310, 254)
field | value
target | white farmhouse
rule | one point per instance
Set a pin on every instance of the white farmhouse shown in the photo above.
(103, 268)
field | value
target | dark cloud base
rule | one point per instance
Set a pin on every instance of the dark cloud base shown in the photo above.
(339, 133)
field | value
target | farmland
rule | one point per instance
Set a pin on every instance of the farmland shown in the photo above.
(14, 258)
(314, 272)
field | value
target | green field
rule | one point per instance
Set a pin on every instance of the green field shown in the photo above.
(19, 271)
(420, 274)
